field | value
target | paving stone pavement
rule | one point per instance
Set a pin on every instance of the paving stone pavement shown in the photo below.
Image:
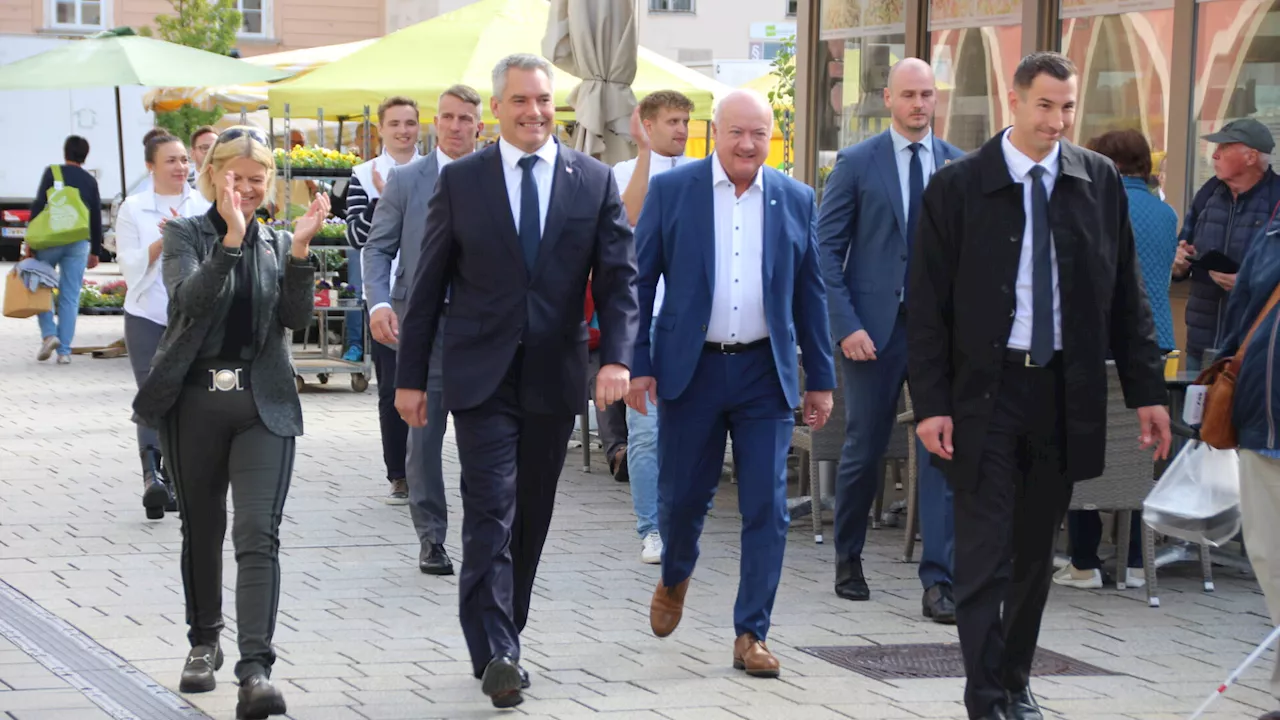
(362, 634)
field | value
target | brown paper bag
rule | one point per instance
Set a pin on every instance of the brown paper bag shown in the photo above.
(19, 302)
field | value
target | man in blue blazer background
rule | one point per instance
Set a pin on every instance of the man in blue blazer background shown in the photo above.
(736, 246)
(866, 229)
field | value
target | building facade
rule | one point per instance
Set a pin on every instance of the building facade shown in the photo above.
(268, 25)
(1173, 69)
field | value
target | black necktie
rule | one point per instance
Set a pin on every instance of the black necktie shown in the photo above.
(1041, 272)
(915, 191)
(530, 215)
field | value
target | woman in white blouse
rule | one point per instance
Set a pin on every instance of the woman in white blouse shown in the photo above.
(146, 304)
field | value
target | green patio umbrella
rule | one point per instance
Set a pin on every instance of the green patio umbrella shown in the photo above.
(118, 58)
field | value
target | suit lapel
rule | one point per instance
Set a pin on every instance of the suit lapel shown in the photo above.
(704, 225)
(889, 176)
(772, 236)
(940, 156)
(564, 189)
(502, 218)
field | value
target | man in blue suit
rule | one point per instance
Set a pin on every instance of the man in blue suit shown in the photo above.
(866, 229)
(736, 246)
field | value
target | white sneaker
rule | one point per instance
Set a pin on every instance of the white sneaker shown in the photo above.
(47, 347)
(1135, 578)
(651, 551)
(1071, 576)
(64, 359)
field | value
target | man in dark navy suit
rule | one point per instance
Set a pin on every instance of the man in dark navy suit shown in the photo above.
(868, 222)
(513, 232)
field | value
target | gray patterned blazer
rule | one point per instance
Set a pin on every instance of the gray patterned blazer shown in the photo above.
(197, 274)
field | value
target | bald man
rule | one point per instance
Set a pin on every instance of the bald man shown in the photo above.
(866, 229)
(736, 246)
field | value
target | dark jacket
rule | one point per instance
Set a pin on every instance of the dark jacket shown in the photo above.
(198, 275)
(961, 301)
(497, 306)
(80, 179)
(1216, 221)
(1257, 398)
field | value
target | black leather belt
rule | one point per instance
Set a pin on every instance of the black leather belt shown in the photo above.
(1022, 358)
(219, 378)
(733, 348)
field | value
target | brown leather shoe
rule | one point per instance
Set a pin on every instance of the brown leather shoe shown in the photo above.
(667, 608)
(753, 656)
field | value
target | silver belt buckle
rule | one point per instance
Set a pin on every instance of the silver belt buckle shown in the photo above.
(1026, 362)
(224, 380)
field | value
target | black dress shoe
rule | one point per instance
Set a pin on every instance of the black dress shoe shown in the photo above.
(997, 713)
(1023, 705)
(850, 582)
(503, 679)
(434, 560)
(259, 699)
(939, 604)
(524, 679)
(197, 673)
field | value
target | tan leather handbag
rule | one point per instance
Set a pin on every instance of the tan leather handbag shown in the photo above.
(1219, 379)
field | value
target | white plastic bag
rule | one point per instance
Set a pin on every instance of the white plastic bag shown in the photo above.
(1198, 497)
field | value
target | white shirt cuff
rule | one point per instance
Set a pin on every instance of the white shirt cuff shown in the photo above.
(379, 306)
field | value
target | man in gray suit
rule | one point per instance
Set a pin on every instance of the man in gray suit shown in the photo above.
(389, 266)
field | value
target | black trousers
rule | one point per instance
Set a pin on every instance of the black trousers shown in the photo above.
(511, 462)
(395, 432)
(215, 440)
(610, 422)
(1005, 531)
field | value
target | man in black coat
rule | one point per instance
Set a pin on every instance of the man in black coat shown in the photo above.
(513, 232)
(1027, 280)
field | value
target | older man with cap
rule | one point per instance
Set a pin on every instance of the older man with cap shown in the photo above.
(1226, 214)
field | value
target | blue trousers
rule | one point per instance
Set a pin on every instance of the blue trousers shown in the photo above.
(871, 391)
(740, 396)
(71, 261)
(355, 318)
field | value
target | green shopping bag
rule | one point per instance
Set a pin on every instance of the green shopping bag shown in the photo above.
(63, 221)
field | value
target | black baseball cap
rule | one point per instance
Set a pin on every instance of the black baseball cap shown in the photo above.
(1246, 131)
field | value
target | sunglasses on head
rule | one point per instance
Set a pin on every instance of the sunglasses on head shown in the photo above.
(238, 132)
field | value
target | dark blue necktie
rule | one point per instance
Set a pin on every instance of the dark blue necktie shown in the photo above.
(530, 215)
(915, 191)
(1041, 272)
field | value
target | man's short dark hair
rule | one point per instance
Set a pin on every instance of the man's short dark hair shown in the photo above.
(396, 101)
(1055, 65)
(75, 149)
(202, 130)
(664, 100)
(1128, 149)
(465, 93)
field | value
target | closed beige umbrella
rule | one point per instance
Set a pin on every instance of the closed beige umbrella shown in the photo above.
(596, 41)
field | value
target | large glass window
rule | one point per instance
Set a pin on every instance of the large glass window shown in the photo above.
(975, 46)
(1124, 60)
(860, 41)
(1237, 73)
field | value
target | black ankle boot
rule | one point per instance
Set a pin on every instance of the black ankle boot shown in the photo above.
(155, 495)
(170, 505)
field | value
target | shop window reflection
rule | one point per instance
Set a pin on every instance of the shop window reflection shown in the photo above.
(852, 76)
(973, 67)
(1237, 73)
(1124, 66)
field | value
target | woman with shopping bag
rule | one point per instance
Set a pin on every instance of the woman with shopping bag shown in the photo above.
(1253, 420)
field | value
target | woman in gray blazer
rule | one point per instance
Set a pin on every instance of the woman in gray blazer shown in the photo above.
(222, 393)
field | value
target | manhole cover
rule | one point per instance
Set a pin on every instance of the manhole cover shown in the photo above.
(940, 660)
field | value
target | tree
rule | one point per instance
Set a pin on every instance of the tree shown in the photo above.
(783, 97)
(204, 24)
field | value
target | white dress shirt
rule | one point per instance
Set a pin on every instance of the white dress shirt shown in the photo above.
(658, 164)
(1020, 170)
(543, 173)
(137, 227)
(902, 155)
(737, 302)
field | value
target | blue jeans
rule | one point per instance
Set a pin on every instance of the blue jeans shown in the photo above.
(71, 261)
(355, 318)
(642, 465)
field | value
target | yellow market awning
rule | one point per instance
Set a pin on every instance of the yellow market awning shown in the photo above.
(463, 46)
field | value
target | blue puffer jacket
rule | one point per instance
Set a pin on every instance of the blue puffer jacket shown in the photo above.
(1257, 400)
(1218, 222)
